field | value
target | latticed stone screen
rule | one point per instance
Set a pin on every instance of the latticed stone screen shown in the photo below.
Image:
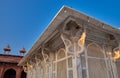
(61, 69)
(118, 68)
(97, 68)
(61, 65)
(70, 67)
(96, 62)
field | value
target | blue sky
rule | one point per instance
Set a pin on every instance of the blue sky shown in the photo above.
(22, 21)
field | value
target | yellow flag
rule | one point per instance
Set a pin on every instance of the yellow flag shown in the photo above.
(29, 65)
(116, 55)
(81, 41)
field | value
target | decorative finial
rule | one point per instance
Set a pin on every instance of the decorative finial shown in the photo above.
(7, 49)
(22, 51)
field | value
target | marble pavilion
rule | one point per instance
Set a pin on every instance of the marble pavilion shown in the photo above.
(74, 45)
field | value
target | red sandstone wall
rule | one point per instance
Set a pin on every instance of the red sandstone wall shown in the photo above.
(10, 58)
(10, 62)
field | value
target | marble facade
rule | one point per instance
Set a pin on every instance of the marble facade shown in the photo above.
(74, 45)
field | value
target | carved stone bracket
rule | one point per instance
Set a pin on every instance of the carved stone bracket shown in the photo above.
(68, 44)
(73, 36)
(37, 60)
(45, 55)
(30, 65)
(74, 45)
(27, 67)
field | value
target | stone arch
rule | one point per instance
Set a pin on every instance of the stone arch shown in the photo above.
(96, 61)
(23, 74)
(61, 64)
(94, 50)
(10, 73)
(61, 53)
(7, 68)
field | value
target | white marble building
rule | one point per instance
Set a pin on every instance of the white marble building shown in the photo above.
(74, 45)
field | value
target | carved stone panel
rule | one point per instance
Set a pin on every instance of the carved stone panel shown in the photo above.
(61, 69)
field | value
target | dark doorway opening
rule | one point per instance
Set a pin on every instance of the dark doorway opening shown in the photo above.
(23, 74)
(10, 74)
